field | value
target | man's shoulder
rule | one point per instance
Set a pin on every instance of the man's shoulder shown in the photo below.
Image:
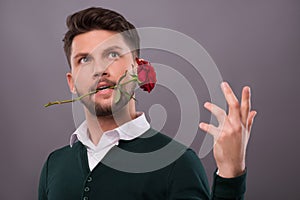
(152, 140)
(172, 146)
(63, 162)
(65, 151)
(157, 136)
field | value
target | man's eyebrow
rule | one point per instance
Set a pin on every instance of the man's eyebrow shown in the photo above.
(105, 51)
(109, 49)
(80, 55)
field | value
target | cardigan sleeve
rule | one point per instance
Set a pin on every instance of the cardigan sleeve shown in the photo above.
(229, 188)
(188, 181)
(42, 195)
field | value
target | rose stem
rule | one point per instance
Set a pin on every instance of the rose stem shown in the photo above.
(78, 98)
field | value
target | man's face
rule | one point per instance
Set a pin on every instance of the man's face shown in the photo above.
(98, 59)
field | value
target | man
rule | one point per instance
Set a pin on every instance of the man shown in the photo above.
(89, 168)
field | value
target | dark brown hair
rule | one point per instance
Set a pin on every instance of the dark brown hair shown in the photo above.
(96, 18)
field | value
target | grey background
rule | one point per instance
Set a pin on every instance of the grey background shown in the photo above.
(253, 43)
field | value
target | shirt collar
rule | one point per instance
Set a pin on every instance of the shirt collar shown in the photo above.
(127, 131)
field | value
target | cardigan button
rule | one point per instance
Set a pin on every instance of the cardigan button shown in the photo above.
(89, 179)
(85, 198)
(86, 189)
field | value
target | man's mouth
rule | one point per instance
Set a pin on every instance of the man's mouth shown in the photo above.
(105, 85)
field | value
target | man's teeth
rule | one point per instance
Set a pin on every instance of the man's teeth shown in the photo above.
(103, 87)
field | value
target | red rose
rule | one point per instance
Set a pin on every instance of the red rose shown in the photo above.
(146, 75)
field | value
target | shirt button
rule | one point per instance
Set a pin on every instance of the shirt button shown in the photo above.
(89, 179)
(86, 189)
(85, 198)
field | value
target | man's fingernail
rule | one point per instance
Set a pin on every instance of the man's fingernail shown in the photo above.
(248, 89)
(223, 85)
(206, 104)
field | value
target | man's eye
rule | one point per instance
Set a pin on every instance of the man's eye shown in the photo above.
(113, 55)
(84, 60)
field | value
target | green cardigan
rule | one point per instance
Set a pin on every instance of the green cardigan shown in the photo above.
(66, 176)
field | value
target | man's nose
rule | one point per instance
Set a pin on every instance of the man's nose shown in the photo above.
(101, 69)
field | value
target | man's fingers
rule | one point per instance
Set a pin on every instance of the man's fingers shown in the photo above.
(209, 128)
(218, 112)
(251, 116)
(233, 103)
(245, 105)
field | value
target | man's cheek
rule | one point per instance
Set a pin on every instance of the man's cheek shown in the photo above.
(83, 80)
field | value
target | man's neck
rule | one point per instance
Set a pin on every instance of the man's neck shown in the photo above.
(98, 125)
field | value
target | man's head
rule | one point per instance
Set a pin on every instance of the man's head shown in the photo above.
(100, 45)
(96, 18)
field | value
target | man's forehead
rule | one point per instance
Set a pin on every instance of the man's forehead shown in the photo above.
(98, 40)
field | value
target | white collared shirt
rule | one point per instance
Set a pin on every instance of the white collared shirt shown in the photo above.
(127, 131)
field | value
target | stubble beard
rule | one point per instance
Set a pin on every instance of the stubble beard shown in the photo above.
(99, 110)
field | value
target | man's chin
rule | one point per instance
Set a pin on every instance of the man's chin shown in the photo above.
(105, 107)
(100, 110)
(103, 112)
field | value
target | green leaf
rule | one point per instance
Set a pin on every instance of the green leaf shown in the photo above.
(122, 77)
(118, 95)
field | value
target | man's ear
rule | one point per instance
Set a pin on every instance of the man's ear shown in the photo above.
(135, 65)
(71, 84)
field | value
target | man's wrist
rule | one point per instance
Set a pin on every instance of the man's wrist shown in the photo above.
(230, 173)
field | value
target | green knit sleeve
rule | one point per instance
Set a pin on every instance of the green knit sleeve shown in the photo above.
(42, 195)
(229, 188)
(188, 181)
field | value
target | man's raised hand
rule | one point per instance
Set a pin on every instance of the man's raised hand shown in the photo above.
(232, 134)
